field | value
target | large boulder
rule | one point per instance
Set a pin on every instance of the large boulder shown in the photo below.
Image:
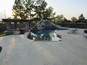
(44, 31)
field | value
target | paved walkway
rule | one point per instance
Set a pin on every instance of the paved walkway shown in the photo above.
(18, 50)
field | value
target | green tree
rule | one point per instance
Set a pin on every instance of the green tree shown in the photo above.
(74, 19)
(22, 9)
(59, 18)
(39, 8)
(32, 9)
(48, 13)
(81, 18)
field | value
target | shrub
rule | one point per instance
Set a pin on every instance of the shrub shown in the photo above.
(8, 32)
(85, 31)
(0, 48)
(30, 36)
(21, 31)
(59, 36)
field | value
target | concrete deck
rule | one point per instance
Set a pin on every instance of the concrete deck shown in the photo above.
(18, 50)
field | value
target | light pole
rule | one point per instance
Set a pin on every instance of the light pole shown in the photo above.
(5, 14)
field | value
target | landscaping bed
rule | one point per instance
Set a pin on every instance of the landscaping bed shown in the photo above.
(5, 34)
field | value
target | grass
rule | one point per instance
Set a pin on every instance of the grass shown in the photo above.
(3, 34)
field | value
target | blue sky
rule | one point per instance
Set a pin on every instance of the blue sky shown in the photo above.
(68, 8)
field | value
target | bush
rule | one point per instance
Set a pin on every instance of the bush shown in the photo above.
(30, 36)
(0, 48)
(85, 31)
(59, 36)
(8, 32)
(21, 31)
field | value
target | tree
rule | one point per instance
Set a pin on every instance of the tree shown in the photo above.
(48, 13)
(81, 18)
(74, 19)
(59, 18)
(22, 9)
(17, 9)
(41, 10)
(32, 9)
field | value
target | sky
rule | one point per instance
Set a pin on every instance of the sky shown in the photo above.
(69, 8)
(6, 8)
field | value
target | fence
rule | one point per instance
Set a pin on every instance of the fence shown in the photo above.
(72, 25)
(2, 27)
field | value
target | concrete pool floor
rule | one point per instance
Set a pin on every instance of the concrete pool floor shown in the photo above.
(18, 50)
